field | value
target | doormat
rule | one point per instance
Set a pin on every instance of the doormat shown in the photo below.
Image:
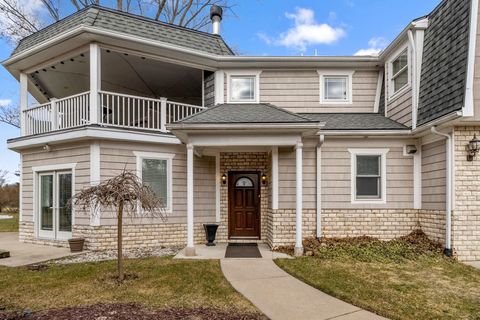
(242, 250)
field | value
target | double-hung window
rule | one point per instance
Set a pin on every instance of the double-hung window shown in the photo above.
(368, 175)
(155, 171)
(399, 72)
(335, 87)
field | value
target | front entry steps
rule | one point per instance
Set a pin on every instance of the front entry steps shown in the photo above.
(218, 252)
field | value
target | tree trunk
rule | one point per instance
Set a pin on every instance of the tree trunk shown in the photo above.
(120, 242)
(119, 5)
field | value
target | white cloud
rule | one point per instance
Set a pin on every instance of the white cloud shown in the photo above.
(31, 9)
(305, 32)
(5, 102)
(376, 45)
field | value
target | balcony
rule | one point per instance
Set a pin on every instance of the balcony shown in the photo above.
(114, 110)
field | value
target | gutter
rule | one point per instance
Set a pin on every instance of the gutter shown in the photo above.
(448, 218)
(244, 126)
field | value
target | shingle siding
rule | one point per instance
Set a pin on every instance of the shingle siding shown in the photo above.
(445, 56)
(112, 20)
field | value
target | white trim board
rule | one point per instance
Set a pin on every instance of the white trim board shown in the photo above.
(382, 152)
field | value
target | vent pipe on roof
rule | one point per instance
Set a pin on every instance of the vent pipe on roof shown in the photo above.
(216, 13)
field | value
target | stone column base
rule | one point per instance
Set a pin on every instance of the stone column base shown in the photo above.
(190, 251)
(298, 252)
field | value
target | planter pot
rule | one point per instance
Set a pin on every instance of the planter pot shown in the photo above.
(210, 233)
(76, 244)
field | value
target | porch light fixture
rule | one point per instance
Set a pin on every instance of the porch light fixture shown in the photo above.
(264, 179)
(473, 148)
(224, 178)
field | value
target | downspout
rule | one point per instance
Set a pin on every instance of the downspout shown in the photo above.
(448, 218)
(414, 79)
(321, 140)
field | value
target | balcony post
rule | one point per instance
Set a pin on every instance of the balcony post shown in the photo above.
(23, 101)
(163, 114)
(95, 82)
(54, 113)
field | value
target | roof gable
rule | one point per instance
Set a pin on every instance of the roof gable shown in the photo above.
(134, 25)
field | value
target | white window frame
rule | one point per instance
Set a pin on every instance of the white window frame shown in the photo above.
(383, 174)
(392, 94)
(140, 156)
(37, 172)
(336, 73)
(244, 73)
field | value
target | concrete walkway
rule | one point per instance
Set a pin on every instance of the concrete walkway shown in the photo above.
(475, 264)
(280, 296)
(22, 254)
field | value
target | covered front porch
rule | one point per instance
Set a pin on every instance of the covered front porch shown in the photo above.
(247, 170)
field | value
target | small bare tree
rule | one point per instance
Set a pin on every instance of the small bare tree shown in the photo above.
(124, 194)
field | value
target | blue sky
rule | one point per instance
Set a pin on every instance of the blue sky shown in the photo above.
(274, 27)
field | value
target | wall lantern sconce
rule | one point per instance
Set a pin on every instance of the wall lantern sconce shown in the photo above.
(473, 148)
(264, 179)
(224, 178)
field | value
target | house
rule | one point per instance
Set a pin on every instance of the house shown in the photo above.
(273, 149)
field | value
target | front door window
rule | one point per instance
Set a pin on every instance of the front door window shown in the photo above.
(54, 213)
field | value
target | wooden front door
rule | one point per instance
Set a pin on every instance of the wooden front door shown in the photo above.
(244, 204)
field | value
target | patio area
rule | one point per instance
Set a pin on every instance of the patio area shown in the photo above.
(22, 254)
(204, 252)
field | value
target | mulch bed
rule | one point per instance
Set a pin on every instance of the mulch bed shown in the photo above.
(128, 312)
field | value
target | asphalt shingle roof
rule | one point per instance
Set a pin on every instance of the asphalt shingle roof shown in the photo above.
(246, 113)
(445, 56)
(113, 20)
(355, 121)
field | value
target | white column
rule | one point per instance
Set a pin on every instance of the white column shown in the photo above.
(54, 114)
(219, 87)
(275, 178)
(217, 187)
(299, 199)
(20, 191)
(23, 101)
(95, 82)
(190, 249)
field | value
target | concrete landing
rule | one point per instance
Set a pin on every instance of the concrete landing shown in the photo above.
(218, 252)
(282, 297)
(22, 254)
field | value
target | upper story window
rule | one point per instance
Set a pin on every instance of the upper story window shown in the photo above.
(368, 175)
(335, 87)
(399, 72)
(243, 86)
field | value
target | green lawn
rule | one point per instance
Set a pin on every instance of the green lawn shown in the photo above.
(396, 279)
(9, 225)
(160, 283)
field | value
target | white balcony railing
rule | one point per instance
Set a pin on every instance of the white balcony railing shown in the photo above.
(119, 110)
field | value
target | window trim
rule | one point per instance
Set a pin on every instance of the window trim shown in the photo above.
(382, 152)
(244, 73)
(392, 94)
(140, 156)
(336, 73)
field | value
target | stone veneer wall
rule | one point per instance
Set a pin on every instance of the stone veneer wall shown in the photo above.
(466, 213)
(243, 161)
(134, 236)
(432, 222)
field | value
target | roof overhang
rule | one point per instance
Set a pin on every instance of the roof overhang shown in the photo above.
(82, 35)
(244, 134)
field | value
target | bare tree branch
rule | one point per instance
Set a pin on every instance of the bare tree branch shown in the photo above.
(10, 115)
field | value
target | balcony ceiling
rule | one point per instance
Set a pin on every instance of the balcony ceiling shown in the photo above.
(121, 73)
